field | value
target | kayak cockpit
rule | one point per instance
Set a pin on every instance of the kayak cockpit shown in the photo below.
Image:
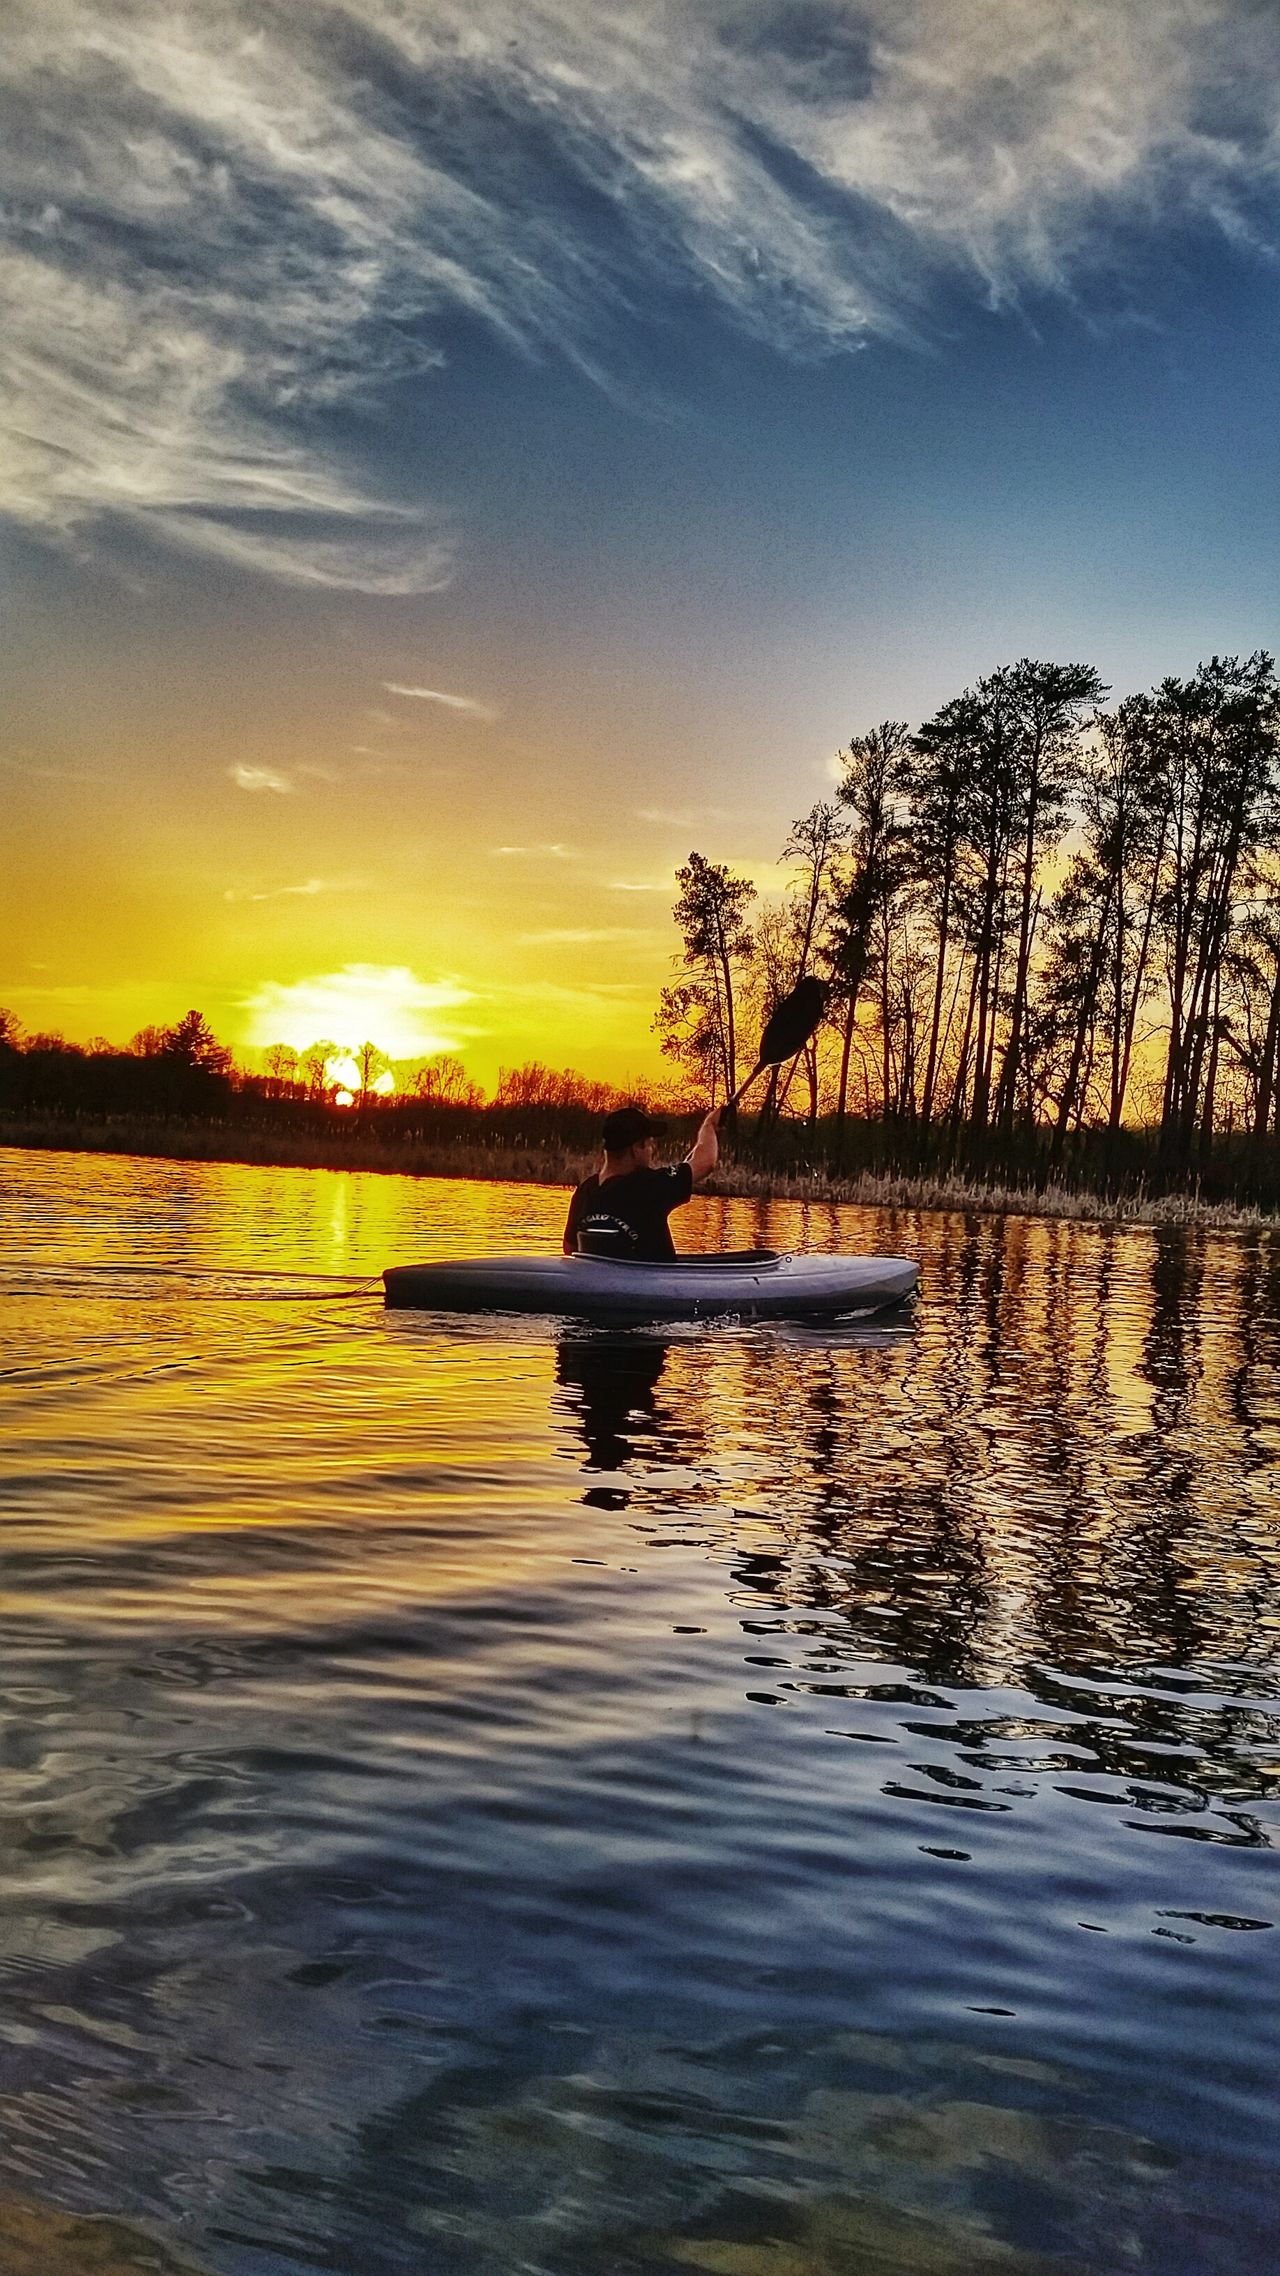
(731, 1260)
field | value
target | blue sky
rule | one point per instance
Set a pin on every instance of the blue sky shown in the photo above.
(678, 389)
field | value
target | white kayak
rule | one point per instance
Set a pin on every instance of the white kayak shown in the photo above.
(755, 1284)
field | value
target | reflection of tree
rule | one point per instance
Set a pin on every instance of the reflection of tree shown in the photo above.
(1064, 1463)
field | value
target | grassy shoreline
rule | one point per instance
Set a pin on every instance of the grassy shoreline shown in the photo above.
(557, 1165)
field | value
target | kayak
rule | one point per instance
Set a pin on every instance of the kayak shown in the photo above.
(752, 1283)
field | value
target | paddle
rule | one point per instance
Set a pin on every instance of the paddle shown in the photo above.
(787, 1029)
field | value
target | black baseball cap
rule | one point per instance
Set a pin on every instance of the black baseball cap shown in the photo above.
(627, 1125)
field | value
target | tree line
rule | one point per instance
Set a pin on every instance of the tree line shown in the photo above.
(184, 1071)
(1037, 917)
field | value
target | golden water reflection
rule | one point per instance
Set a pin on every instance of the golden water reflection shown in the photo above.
(489, 1793)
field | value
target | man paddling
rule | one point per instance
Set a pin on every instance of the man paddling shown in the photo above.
(621, 1210)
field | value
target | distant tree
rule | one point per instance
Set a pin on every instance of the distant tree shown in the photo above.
(691, 1036)
(149, 1042)
(441, 1081)
(1251, 1031)
(697, 1017)
(1046, 710)
(313, 1066)
(937, 770)
(536, 1085)
(1099, 969)
(10, 1030)
(789, 938)
(1219, 737)
(193, 1044)
(281, 1062)
(372, 1062)
(870, 790)
(282, 1074)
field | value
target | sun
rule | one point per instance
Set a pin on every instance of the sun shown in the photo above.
(384, 1004)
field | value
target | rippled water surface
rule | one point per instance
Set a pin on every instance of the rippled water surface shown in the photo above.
(488, 1796)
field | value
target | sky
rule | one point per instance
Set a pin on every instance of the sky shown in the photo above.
(454, 459)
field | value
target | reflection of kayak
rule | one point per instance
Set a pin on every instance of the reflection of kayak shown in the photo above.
(756, 1283)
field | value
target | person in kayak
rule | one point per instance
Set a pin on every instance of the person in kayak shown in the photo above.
(621, 1210)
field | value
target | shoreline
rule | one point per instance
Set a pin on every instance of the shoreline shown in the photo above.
(562, 1166)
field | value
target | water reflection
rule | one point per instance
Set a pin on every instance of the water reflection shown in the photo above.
(774, 1801)
(611, 1384)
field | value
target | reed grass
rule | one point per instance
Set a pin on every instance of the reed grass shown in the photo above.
(498, 1159)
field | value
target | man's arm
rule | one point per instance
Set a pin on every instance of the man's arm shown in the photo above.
(705, 1151)
(570, 1241)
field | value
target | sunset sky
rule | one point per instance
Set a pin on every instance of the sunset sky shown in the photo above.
(455, 458)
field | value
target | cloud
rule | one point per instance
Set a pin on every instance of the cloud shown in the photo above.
(466, 703)
(35, 773)
(554, 852)
(227, 229)
(642, 884)
(386, 1004)
(307, 890)
(681, 817)
(584, 935)
(260, 778)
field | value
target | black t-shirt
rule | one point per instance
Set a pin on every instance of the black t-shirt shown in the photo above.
(628, 1215)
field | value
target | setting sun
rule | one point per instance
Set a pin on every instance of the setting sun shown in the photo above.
(387, 1005)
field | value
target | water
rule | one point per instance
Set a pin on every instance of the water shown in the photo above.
(489, 1796)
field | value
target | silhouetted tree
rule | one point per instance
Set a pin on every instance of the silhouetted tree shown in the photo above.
(870, 789)
(697, 1016)
(1219, 737)
(1044, 706)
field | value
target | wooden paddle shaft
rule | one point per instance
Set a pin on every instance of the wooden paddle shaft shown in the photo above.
(744, 1087)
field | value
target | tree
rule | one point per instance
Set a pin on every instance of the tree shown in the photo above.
(937, 769)
(372, 1062)
(282, 1070)
(1219, 737)
(313, 1066)
(558, 1087)
(870, 789)
(442, 1081)
(697, 1017)
(1102, 918)
(1045, 708)
(192, 1044)
(787, 936)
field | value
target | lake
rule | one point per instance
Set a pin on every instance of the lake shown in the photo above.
(491, 1795)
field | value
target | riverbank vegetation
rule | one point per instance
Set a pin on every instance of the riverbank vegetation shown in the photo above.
(1050, 937)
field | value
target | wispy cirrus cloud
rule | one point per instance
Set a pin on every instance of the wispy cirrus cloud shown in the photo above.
(259, 779)
(466, 703)
(308, 890)
(584, 936)
(225, 227)
(681, 817)
(552, 852)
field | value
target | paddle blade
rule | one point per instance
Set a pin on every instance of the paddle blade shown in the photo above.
(791, 1023)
